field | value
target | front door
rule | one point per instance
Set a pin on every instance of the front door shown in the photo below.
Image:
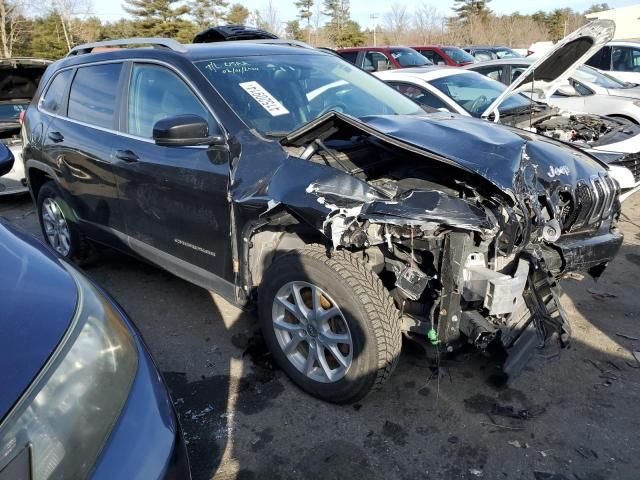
(173, 199)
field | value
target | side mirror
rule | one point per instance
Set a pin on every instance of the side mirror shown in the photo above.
(6, 160)
(567, 91)
(185, 131)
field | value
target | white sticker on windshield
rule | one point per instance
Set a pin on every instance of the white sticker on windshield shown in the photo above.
(264, 98)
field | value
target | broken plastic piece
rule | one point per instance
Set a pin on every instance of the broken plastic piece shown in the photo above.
(432, 335)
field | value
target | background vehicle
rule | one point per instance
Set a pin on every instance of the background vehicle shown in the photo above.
(80, 394)
(483, 53)
(587, 90)
(19, 78)
(445, 55)
(620, 59)
(469, 93)
(322, 195)
(374, 59)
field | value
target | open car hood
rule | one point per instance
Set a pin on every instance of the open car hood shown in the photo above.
(559, 63)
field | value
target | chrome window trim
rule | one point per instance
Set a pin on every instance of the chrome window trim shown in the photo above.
(190, 84)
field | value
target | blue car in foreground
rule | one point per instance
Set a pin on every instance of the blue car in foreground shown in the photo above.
(80, 396)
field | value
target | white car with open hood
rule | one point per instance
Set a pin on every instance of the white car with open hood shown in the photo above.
(469, 93)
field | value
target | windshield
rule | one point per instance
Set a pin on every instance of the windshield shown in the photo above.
(458, 55)
(506, 53)
(475, 92)
(11, 111)
(277, 94)
(591, 75)
(407, 57)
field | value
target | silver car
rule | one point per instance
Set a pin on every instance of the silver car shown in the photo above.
(587, 89)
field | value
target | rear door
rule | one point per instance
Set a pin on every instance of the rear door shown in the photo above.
(174, 199)
(78, 144)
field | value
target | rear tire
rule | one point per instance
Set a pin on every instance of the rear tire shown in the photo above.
(58, 230)
(353, 323)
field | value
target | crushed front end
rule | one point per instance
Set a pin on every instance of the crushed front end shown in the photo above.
(471, 250)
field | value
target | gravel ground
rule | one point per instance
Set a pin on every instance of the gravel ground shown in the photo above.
(573, 414)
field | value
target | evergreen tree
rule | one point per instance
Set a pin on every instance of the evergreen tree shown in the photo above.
(208, 13)
(342, 31)
(238, 14)
(305, 10)
(47, 38)
(469, 10)
(161, 18)
(294, 31)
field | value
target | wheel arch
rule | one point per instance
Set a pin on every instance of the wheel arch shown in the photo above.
(37, 175)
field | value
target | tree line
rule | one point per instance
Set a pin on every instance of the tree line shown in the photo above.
(65, 23)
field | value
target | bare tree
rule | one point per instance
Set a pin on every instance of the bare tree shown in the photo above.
(397, 22)
(427, 21)
(12, 24)
(269, 19)
(69, 11)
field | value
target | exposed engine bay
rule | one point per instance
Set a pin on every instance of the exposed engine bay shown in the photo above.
(582, 129)
(465, 261)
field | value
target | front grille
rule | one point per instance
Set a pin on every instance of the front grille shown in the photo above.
(632, 162)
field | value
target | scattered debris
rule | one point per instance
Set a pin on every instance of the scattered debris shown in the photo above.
(636, 355)
(628, 337)
(586, 452)
(517, 444)
(506, 427)
(453, 439)
(600, 295)
(475, 472)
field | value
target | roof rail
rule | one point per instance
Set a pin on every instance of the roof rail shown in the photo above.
(275, 41)
(168, 43)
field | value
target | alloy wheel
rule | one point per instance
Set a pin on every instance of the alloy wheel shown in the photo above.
(312, 331)
(55, 227)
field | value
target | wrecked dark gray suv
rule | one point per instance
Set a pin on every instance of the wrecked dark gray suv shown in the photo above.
(287, 177)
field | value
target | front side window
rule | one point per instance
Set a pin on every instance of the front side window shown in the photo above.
(53, 99)
(483, 55)
(277, 94)
(625, 59)
(506, 53)
(494, 73)
(458, 55)
(408, 57)
(93, 94)
(157, 93)
(433, 56)
(420, 95)
(376, 61)
(475, 92)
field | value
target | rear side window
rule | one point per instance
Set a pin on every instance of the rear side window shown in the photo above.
(157, 93)
(349, 56)
(93, 94)
(53, 99)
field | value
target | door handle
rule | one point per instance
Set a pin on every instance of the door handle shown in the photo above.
(56, 137)
(127, 156)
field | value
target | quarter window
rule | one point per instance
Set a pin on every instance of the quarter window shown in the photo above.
(53, 99)
(93, 94)
(157, 93)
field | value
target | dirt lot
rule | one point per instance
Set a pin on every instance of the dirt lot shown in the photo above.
(573, 414)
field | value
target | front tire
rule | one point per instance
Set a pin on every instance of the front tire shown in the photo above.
(60, 233)
(329, 323)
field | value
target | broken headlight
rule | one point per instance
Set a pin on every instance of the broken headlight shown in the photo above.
(68, 411)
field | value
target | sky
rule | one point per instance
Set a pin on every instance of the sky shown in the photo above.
(361, 10)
